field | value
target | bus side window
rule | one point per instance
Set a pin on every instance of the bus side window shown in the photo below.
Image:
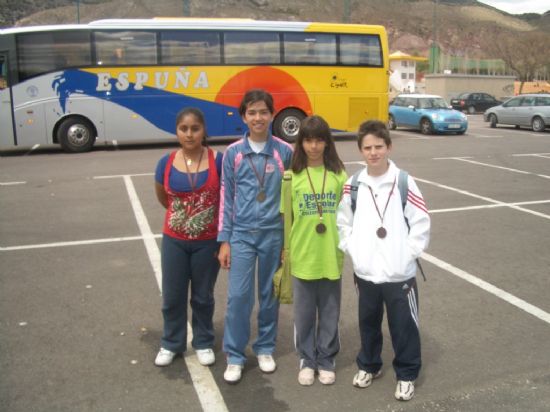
(40, 53)
(251, 48)
(309, 48)
(184, 47)
(125, 47)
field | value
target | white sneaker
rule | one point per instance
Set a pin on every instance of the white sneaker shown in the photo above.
(267, 363)
(327, 377)
(206, 356)
(164, 357)
(404, 390)
(363, 379)
(233, 373)
(306, 377)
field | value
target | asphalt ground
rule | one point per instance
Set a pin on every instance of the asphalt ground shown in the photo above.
(80, 319)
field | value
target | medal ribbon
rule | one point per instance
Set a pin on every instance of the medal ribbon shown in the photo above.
(319, 207)
(385, 207)
(260, 181)
(192, 177)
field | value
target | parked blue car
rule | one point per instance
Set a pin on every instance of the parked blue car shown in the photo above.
(427, 113)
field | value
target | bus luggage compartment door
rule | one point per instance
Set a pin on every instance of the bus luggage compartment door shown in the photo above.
(6, 120)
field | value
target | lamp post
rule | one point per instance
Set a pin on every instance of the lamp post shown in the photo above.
(78, 11)
(347, 11)
(434, 50)
(186, 8)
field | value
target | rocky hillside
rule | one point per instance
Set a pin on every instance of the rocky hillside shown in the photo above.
(459, 26)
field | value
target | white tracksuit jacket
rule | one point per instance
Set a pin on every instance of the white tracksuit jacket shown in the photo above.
(391, 259)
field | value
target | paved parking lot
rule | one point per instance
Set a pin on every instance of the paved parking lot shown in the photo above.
(80, 317)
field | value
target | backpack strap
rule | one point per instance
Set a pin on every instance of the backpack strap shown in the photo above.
(403, 186)
(287, 207)
(354, 188)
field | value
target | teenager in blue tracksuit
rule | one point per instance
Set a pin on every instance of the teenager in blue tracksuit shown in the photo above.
(251, 232)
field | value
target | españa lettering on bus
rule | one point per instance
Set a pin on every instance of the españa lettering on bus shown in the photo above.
(179, 79)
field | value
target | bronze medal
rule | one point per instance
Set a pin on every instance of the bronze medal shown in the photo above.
(320, 227)
(261, 196)
(381, 232)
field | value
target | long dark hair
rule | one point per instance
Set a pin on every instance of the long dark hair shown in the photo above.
(317, 128)
(199, 115)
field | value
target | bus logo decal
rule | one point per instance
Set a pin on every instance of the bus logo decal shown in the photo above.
(178, 79)
(156, 108)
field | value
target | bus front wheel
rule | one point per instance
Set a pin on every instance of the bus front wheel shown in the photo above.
(76, 135)
(287, 124)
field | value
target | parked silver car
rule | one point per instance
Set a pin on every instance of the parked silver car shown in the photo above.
(530, 110)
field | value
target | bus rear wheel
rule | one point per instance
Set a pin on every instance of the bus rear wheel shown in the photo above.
(76, 135)
(287, 124)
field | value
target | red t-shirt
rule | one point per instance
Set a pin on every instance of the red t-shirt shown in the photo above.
(193, 215)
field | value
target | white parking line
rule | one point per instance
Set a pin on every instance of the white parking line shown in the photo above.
(509, 169)
(122, 176)
(36, 146)
(460, 209)
(75, 243)
(12, 183)
(485, 198)
(451, 158)
(543, 155)
(203, 381)
(520, 303)
(145, 230)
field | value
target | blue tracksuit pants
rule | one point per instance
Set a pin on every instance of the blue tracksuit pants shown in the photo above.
(188, 265)
(261, 248)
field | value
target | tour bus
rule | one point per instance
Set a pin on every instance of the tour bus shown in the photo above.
(125, 80)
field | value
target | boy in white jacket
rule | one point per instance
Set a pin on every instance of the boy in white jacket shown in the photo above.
(384, 252)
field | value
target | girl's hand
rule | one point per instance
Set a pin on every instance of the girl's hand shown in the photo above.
(224, 255)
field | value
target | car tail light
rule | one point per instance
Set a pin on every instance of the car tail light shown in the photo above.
(462, 102)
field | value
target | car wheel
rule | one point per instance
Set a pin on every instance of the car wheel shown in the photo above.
(426, 126)
(471, 109)
(287, 124)
(391, 123)
(538, 124)
(76, 135)
(493, 120)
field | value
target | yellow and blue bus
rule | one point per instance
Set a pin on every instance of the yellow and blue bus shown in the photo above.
(125, 80)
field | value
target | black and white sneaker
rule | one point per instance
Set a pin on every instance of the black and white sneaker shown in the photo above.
(363, 379)
(404, 390)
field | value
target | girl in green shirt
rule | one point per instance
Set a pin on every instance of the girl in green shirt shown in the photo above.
(318, 177)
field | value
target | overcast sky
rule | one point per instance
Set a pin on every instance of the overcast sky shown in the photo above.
(520, 6)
